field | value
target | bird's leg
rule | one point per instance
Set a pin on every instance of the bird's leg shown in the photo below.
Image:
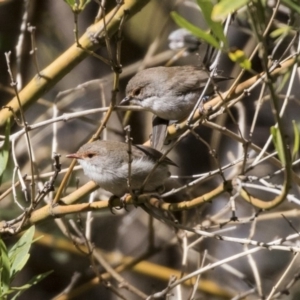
(134, 197)
(123, 201)
(201, 105)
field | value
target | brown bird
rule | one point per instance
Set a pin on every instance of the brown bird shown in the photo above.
(106, 163)
(170, 93)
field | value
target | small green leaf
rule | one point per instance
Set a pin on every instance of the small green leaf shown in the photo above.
(226, 7)
(4, 269)
(77, 6)
(4, 151)
(284, 30)
(216, 27)
(296, 140)
(239, 56)
(19, 253)
(34, 280)
(70, 2)
(201, 34)
(8, 292)
(278, 143)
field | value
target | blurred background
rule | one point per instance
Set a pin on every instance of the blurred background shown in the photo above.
(146, 43)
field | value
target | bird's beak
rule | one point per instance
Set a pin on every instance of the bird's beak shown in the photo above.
(126, 100)
(73, 155)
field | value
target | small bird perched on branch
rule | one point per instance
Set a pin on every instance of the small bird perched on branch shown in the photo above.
(107, 163)
(170, 93)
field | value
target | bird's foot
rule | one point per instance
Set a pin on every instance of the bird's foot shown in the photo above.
(202, 110)
(113, 199)
(123, 201)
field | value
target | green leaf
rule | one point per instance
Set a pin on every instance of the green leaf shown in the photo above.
(201, 34)
(70, 2)
(284, 30)
(4, 151)
(278, 143)
(226, 7)
(296, 140)
(216, 27)
(83, 4)
(13, 261)
(239, 56)
(8, 292)
(19, 253)
(34, 280)
(5, 278)
(292, 5)
(77, 7)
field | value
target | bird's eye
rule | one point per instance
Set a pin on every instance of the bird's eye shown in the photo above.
(90, 155)
(136, 92)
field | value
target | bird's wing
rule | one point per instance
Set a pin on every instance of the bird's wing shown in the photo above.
(193, 79)
(153, 154)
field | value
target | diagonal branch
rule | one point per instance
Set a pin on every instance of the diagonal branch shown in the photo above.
(71, 58)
